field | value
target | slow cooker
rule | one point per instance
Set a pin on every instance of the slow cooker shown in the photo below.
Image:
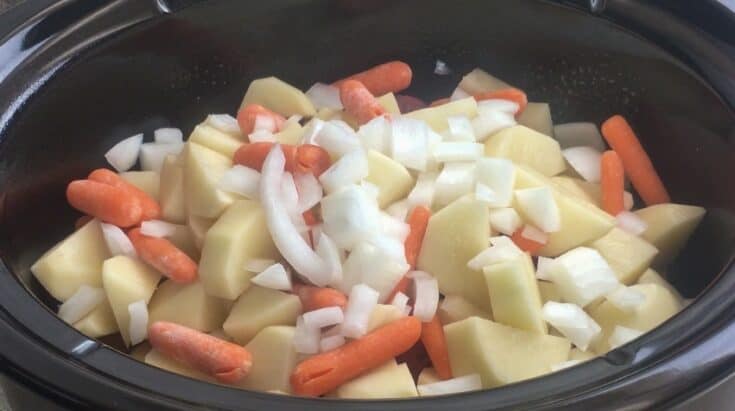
(78, 75)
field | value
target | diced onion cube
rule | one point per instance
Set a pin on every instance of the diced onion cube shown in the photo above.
(323, 317)
(424, 190)
(393, 227)
(460, 129)
(375, 135)
(400, 301)
(457, 151)
(324, 96)
(497, 104)
(349, 169)
(123, 155)
(306, 339)
(81, 303)
(585, 161)
(275, 277)
(532, 233)
(499, 175)
(466, 383)
(338, 138)
(505, 220)
(152, 155)
(626, 299)
(158, 228)
(168, 136)
(631, 223)
(489, 122)
(241, 180)
(265, 123)
(500, 251)
(582, 276)
(622, 335)
(257, 265)
(542, 268)
(224, 123)
(454, 181)
(539, 206)
(426, 295)
(361, 302)
(117, 241)
(310, 192)
(572, 322)
(374, 266)
(311, 130)
(331, 342)
(138, 326)
(409, 142)
(350, 216)
(485, 194)
(328, 251)
(398, 210)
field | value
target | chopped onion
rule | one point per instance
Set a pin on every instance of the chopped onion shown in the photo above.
(564, 364)
(505, 220)
(241, 180)
(310, 192)
(286, 237)
(582, 276)
(324, 96)
(485, 194)
(391, 246)
(503, 241)
(465, 383)
(123, 155)
(262, 136)
(329, 343)
(224, 123)
(398, 210)
(539, 206)
(257, 265)
(426, 296)
(442, 69)
(361, 302)
(265, 123)
(579, 134)
(628, 201)
(138, 326)
(306, 339)
(434, 139)
(585, 161)
(400, 301)
(311, 130)
(81, 303)
(458, 94)
(323, 317)
(489, 122)
(460, 129)
(275, 277)
(423, 192)
(454, 181)
(534, 234)
(375, 134)
(117, 241)
(370, 189)
(543, 265)
(494, 254)
(622, 335)
(168, 136)
(626, 299)
(374, 267)
(572, 322)
(349, 169)
(631, 223)
(338, 138)
(497, 104)
(157, 228)
(457, 151)
(409, 142)
(328, 251)
(152, 155)
(394, 228)
(350, 216)
(289, 193)
(499, 175)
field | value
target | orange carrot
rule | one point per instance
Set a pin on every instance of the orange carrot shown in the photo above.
(418, 220)
(82, 221)
(247, 117)
(390, 77)
(439, 102)
(151, 209)
(612, 182)
(313, 298)
(526, 244)
(305, 158)
(513, 94)
(312, 159)
(223, 360)
(110, 204)
(324, 372)
(432, 336)
(359, 102)
(165, 257)
(637, 164)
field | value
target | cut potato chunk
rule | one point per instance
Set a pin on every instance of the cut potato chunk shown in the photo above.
(436, 117)
(391, 177)
(456, 234)
(279, 96)
(669, 228)
(204, 168)
(127, 280)
(171, 193)
(650, 276)
(578, 355)
(479, 81)
(527, 147)
(184, 240)
(148, 181)
(290, 135)
(156, 359)
(389, 103)
(659, 306)
(390, 380)
(537, 116)
(583, 190)
(73, 262)
(238, 236)
(98, 323)
(258, 308)
(187, 305)
(199, 227)
(276, 359)
(627, 255)
(455, 308)
(501, 354)
(428, 376)
(514, 294)
(383, 314)
(549, 292)
(213, 139)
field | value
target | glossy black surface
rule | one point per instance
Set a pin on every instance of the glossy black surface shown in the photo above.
(84, 74)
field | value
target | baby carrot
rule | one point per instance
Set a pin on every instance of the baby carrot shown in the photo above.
(82, 221)
(150, 208)
(305, 158)
(110, 204)
(526, 244)
(247, 117)
(310, 218)
(513, 94)
(432, 336)
(418, 220)
(223, 360)
(323, 373)
(637, 164)
(439, 102)
(358, 101)
(612, 182)
(165, 257)
(312, 159)
(313, 298)
(390, 77)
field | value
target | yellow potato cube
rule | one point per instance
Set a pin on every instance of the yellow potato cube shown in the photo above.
(389, 103)
(184, 240)
(198, 226)
(147, 181)
(156, 359)
(290, 135)
(279, 96)
(390, 380)
(478, 81)
(171, 193)
(626, 254)
(274, 360)
(650, 276)
(436, 117)
(383, 314)
(455, 308)
(98, 323)
(579, 355)
(528, 147)
(669, 228)
(583, 190)
(537, 116)
(548, 291)
(187, 305)
(392, 178)
(213, 139)
(428, 376)
(258, 308)
(204, 168)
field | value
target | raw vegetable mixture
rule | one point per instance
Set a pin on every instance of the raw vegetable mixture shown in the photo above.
(354, 243)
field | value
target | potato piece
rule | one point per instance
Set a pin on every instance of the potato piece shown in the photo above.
(213, 139)
(669, 228)
(258, 308)
(390, 380)
(578, 188)
(127, 280)
(239, 235)
(279, 96)
(389, 103)
(184, 240)
(156, 359)
(514, 294)
(73, 262)
(221, 334)
(204, 168)
(148, 181)
(652, 277)
(456, 234)
(140, 351)
(479, 81)
(501, 354)
(98, 323)
(391, 177)
(626, 253)
(275, 359)
(383, 314)
(537, 116)
(290, 135)
(199, 227)
(528, 147)
(659, 306)
(579, 355)
(171, 193)
(428, 376)
(454, 308)
(188, 305)
(548, 291)
(436, 117)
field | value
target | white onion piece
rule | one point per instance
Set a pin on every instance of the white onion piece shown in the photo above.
(494, 254)
(168, 136)
(311, 130)
(434, 139)
(457, 151)
(306, 339)
(485, 194)
(441, 68)
(81, 303)
(123, 155)
(582, 276)
(338, 138)
(579, 134)
(138, 326)
(542, 268)
(423, 192)
(275, 277)
(454, 181)
(400, 301)
(426, 296)
(564, 364)
(374, 267)
(626, 299)
(310, 192)
(534, 234)
(257, 265)
(324, 96)
(224, 123)
(348, 170)
(240, 180)
(631, 223)
(502, 241)
(585, 161)
(286, 237)
(265, 123)
(539, 206)
(572, 322)
(398, 210)
(329, 343)
(622, 335)
(460, 129)
(262, 136)
(375, 135)
(117, 241)
(158, 228)
(328, 251)
(505, 220)
(393, 227)
(152, 155)
(370, 189)
(391, 246)
(290, 193)
(323, 317)
(499, 175)
(458, 94)
(361, 302)
(350, 216)
(409, 142)
(465, 383)
(498, 104)
(628, 201)
(489, 122)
